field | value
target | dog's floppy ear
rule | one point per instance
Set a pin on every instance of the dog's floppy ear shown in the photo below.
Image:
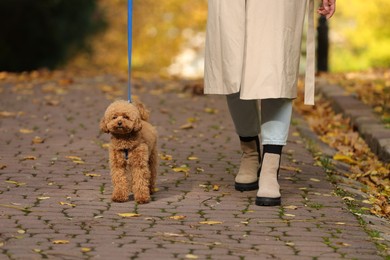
(103, 125)
(142, 111)
(137, 125)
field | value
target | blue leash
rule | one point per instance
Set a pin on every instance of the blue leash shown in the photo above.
(129, 44)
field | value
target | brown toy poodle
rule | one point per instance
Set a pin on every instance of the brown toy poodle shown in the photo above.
(132, 152)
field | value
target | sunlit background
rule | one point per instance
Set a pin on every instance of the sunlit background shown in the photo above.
(168, 35)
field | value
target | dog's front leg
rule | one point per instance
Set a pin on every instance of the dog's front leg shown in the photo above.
(119, 176)
(153, 169)
(139, 165)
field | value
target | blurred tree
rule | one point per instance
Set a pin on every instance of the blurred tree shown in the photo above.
(360, 33)
(159, 30)
(44, 33)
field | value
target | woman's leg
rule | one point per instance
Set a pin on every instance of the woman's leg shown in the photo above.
(246, 119)
(275, 120)
(275, 124)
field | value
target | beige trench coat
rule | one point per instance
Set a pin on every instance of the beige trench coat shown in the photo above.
(253, 46)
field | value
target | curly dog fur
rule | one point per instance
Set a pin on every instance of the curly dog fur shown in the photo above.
(130, 131)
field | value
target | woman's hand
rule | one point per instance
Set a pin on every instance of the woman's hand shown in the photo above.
(327, 9)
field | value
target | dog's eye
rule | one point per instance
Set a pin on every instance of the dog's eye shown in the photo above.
(126, 117)
(114, 117)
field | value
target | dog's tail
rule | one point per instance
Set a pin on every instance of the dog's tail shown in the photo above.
(143, 111)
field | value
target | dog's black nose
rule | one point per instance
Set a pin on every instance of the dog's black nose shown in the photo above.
(120, 123)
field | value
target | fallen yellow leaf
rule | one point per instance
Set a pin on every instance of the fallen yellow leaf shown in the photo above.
(78, 162)
(60, 242)
(210, 222)
(177, 217)
(52, 102)
(166, 157)
(344, 158)
(192, 158)
(67, 204)
(3, 166)
(192, 120)
(16, 183)
(182, 168)
(86, 249)
(129, 215)
(38, 140)
(29, 157)
(168, 234)
(7, 114)
(43, 198)
(92, 174)
(187, 126)
(74, 158)
(25, 131)
(343, 244)
(106, 145)
(290, 207)
(296, 134)
(210, 110)
(191, 256)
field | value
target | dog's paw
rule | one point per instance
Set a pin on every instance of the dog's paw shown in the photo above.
(117, 198)
(142, 199)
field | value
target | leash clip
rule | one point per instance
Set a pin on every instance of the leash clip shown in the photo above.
(126, 151)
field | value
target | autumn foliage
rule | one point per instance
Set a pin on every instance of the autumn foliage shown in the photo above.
(364, 166)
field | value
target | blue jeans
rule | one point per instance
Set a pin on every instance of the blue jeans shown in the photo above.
(272, 121)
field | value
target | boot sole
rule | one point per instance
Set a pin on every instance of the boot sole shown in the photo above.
(246, 186)
(263, 201)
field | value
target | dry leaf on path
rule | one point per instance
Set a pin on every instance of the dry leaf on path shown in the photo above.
(38, 140)
(210, 222)
(67, 204)
(16, 183)
(29, 157)
(187, 126)
(166, 157)
(60, 242)
(92, 174)
(344, 158)
(178, 217)
(129, 215)
(25, 131)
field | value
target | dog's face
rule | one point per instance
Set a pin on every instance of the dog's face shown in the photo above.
(121, 117)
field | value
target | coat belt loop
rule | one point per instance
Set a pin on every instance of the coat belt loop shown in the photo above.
(310, 57)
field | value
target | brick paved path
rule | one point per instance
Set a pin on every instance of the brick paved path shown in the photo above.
(55, 196)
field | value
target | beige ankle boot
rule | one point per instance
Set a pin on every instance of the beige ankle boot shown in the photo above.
(269, 189)
(248, 174)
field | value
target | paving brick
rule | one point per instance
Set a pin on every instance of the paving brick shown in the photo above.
(88, 218)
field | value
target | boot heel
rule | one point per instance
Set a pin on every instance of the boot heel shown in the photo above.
(263, 201)
(246, 186)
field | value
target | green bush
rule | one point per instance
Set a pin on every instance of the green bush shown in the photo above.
(44, 33)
